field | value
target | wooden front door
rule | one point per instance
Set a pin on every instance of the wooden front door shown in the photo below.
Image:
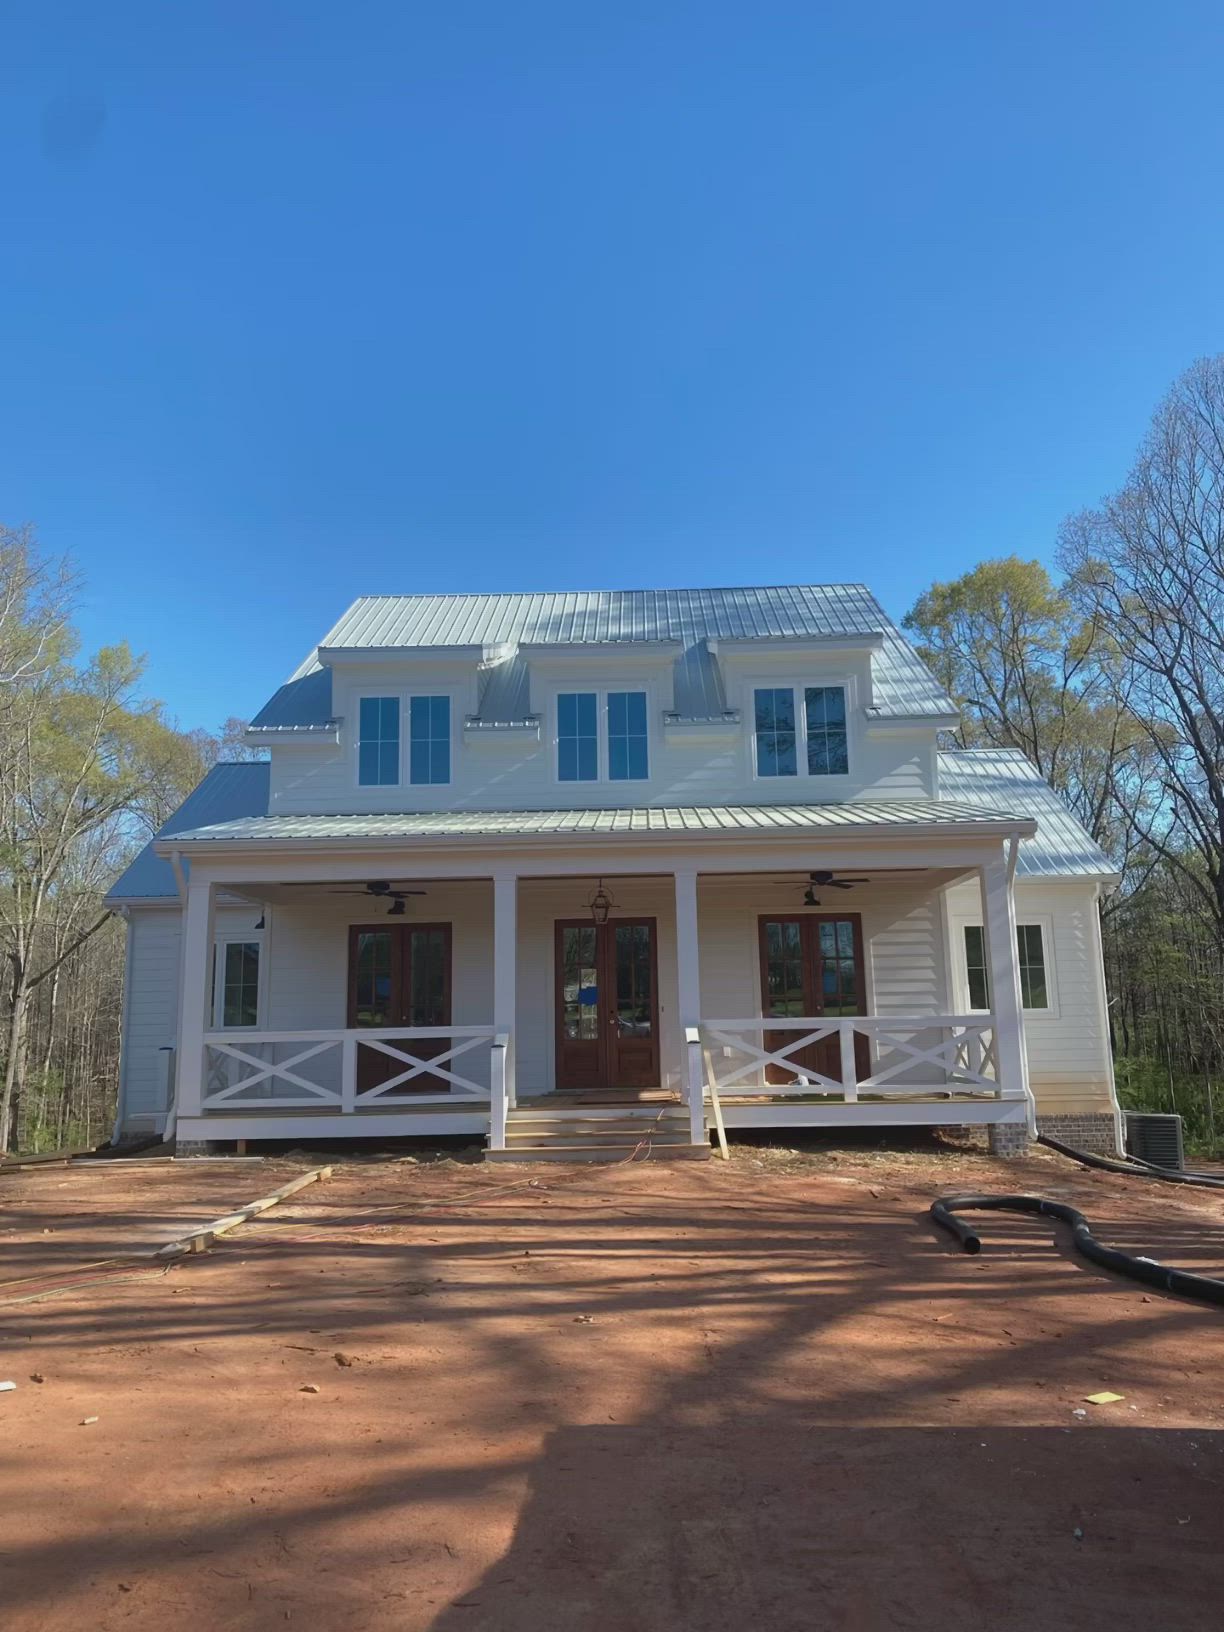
(812, 964)
(607, 1004)
(400, 975)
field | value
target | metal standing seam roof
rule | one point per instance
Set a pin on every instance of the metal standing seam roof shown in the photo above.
(902, 684)
(228, 793)
(854, 816)
(1002, 777)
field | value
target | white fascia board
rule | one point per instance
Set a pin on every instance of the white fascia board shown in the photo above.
(278, 736)
(797, 645)
(595, 657)
(343, 657)
(881, 724)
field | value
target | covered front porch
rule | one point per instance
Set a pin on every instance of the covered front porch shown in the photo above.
(396, 990)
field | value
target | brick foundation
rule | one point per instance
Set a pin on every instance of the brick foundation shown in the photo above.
(1090, 1130)
(193, 1147)
(1008, 1139)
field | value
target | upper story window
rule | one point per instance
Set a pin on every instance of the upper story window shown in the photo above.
(614, 736)
(429, 740)
(827, 753)
(778, 729)
(379, 748)
(378, 744)
(578, 736)
(628, 750)
(775, 731)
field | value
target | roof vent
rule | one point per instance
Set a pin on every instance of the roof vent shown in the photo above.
(1156, 1138)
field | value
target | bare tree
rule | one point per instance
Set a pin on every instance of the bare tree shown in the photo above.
(1147, 567)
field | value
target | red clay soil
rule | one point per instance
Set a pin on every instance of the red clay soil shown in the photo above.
(642, 1399)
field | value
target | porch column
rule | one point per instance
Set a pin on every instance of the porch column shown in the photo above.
(505, 966)
(1002, 959)
(688, 980)
(195, 996)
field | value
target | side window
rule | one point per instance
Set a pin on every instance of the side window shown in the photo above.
(429, 741)
(975, 967)
(577, 737)
(774, 711)
(628, 750)
(1030, 951)
(237, 988)
(378, 742)
(1033, 990)
(827, 753)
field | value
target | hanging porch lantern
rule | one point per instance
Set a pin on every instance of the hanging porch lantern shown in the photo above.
(601, 904)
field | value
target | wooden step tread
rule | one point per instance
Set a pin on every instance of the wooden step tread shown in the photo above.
(598, 1153)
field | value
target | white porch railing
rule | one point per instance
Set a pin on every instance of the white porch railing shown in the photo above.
(321, 1070)
(911, 1056)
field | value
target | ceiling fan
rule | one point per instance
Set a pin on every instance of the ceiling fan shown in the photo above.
(381, 890)
(827, 881)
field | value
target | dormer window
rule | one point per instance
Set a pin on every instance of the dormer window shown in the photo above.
(775, 731)
(602, 736)
(628, 752)
(822, 729)
(825, 711)
(378, 746)
(429, 740)
(578, 736)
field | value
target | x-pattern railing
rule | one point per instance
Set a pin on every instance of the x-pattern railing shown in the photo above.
(958, 1050)
(248, 1067)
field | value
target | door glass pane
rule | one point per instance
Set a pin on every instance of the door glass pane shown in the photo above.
(838, 973)
(634, 993)
(426, 978)
(784, 982)
(373, 979)
(579, 983)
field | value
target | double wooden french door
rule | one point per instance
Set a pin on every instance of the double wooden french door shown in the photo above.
(813, 965)
(400, 975)
(607, 1004)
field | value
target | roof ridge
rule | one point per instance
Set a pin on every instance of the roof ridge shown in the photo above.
(658, 589)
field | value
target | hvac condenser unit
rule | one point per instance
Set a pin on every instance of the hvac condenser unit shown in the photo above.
(1155, 1137)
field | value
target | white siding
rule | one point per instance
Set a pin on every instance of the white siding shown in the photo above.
(1068, 1046)
(151, 981)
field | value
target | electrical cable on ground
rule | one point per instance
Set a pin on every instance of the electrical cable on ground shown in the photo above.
(1145, 1270)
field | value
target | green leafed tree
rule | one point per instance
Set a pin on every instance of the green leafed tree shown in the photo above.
(81, 756)
(1030, 671)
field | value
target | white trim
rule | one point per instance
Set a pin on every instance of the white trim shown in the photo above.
(240, 937)
(1043, 922)
(813, 784)
(600, 689)
(403, 695)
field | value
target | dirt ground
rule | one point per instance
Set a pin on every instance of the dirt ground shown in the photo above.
(764, 1395)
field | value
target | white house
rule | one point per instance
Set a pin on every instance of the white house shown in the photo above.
(571, 872)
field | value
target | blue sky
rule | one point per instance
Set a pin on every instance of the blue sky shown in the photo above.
(302, 301)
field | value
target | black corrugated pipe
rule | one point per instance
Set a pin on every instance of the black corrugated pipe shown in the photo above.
(1146, 1270)
(1133, 1165)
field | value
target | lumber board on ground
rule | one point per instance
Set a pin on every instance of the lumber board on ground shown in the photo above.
(200, 1240)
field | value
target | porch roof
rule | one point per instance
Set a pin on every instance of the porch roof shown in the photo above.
(934, 818)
